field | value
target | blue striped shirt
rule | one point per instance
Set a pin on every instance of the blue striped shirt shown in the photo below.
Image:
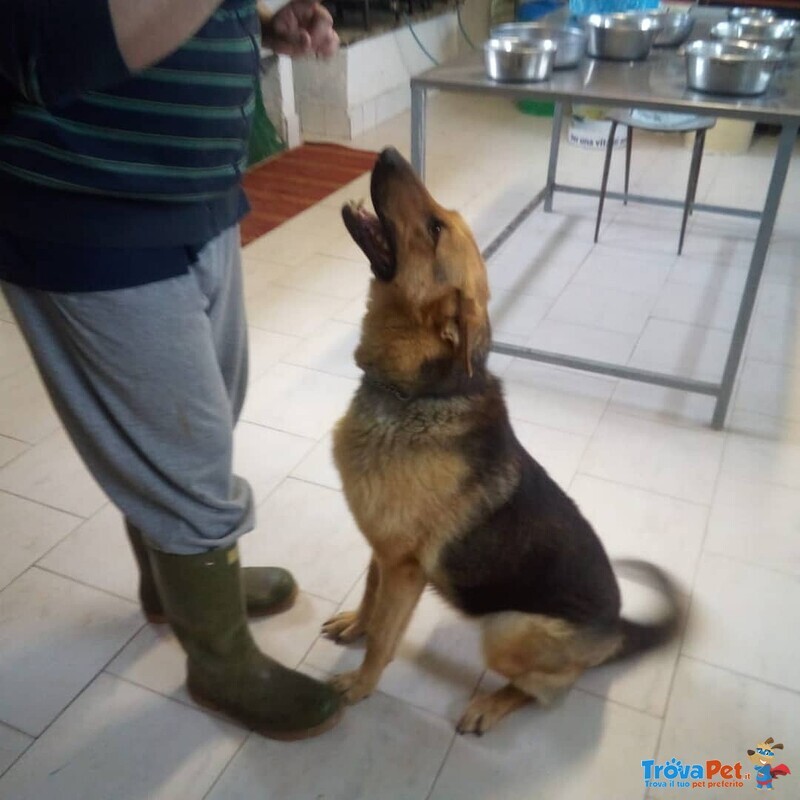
(95, 157)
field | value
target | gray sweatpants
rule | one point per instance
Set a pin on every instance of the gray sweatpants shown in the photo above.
(149, 383)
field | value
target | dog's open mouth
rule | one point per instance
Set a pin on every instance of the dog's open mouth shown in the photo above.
(372, 236)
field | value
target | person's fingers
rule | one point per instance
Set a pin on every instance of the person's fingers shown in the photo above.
(304, 43)
(317, 17)
(329, 46)
(304, 10)
(299, 44)
(322, 13)
(320, 28)
(286, 27)
(303, 27)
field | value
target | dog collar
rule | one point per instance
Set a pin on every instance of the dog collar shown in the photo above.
(389, 388)
(405, 397)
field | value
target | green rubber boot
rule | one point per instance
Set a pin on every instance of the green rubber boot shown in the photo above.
(267, 590)
(226, 672)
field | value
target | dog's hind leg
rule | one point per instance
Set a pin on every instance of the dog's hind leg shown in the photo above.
(347, 626)
(487, 709)
(540, 656)
(398, 590)
(484, 711)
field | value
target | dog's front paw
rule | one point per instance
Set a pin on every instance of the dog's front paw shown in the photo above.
(344, 628)
(353, 686)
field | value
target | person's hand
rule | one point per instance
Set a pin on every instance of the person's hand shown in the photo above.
(300, 28)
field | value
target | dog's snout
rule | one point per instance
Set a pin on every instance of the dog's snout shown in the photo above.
(391, 173)
(391, 158)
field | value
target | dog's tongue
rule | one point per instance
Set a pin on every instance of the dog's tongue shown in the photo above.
(367, 233)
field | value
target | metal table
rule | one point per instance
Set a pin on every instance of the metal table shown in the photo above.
(658, 83)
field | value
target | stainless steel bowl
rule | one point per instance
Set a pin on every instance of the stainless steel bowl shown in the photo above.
(779, 34)
(752, 12)
(621, 37)
(675, 29)
(734, 68)
(514, 60)
(570, 41)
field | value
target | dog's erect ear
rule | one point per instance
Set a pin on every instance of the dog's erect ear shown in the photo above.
(778, 746)
(461, 322)
(446, 315)
(471, 319)
(769, 741)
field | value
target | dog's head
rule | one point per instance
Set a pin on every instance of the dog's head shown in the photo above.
(427, 314)
(765, 752)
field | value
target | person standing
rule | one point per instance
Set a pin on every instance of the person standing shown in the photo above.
(123, 138)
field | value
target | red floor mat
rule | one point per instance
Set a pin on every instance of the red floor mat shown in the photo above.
(295, 180)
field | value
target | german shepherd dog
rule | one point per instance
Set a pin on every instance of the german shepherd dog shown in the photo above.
(442, 489)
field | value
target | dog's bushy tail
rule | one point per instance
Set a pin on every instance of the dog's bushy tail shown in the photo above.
(639, 637)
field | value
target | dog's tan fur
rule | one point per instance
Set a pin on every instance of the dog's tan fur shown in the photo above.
(407, 481)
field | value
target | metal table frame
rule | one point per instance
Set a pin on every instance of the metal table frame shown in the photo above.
(781, 106)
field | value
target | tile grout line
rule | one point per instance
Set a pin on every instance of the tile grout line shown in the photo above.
(16, 729)
(749, 563)
(81, 692)
(17, 440)
(620, 703)
(185, 702)
(694, 503)
(686, 425)
(436, 777)
(228, 763)
(338, 605)
(47, 505)
(693, 585)
(773, 483)
(319, 485)
(739, 674)
(33, 740)
(18, 758)
(283, 481)
(80, 582)
(281, 430)
(102, 669)
(580, 472)
(320, 597)
(79, 521)
(690, 604)
(315, 369)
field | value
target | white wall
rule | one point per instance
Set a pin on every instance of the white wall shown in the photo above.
(368, 82)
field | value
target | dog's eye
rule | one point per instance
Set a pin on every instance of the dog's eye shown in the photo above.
(435, 227)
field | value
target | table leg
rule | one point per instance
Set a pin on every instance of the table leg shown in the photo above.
(419, 96)
(779, 169)
(691, 186)
(604, 182)
(628, 151)
(555, 141)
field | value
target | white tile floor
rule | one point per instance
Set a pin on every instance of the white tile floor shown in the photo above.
(91, 698)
